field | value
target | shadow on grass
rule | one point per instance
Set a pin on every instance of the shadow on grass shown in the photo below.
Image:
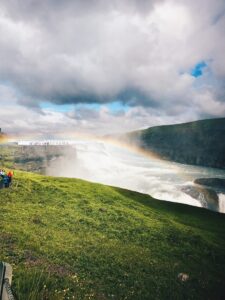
(186, 214)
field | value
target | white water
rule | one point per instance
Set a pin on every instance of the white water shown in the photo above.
(222, 203)
(107, 164)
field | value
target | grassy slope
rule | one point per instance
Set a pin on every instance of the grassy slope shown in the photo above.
(70, 239)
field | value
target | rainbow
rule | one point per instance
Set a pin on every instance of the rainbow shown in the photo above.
(76, 137)
(71, 138)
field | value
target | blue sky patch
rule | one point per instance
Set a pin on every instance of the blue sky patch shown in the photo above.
(113, 107)
(198, 69)
(117, 106)
(56, 107)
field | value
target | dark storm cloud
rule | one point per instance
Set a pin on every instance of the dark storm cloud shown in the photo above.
(131, 97)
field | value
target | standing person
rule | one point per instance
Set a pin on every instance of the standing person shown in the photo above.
(1, 179)
(10, 176)
(6, 181)
(1, 182)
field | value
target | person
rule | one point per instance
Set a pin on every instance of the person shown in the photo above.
(6, 181)
(1, 179)
(10, 175)
(1, 182)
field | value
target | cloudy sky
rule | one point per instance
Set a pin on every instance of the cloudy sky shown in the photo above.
(101, 66)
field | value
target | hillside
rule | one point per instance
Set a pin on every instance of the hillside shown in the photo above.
(198, 143)
(71, 239)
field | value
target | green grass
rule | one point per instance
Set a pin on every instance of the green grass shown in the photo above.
(71, 239)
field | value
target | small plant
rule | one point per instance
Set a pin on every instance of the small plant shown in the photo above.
(32, 284)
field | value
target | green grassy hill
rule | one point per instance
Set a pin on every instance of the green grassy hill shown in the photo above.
(71, 239)
(198, 143)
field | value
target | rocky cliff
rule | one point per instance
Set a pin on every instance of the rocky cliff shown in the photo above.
(198, 143)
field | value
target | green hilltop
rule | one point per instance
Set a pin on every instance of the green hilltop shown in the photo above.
(197, 143)
(71, 239)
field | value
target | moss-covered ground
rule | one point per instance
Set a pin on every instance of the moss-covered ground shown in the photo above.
(71, 239)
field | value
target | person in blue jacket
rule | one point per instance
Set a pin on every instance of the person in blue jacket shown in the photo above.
(6, 181)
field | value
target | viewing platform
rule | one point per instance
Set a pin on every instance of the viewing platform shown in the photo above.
(49, 143)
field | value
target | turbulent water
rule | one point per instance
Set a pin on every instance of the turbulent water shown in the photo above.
(112, 165)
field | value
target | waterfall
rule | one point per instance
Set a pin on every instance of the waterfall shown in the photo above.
(222, 203)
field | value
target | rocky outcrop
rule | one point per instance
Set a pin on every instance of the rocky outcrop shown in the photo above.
(216, 183)
(207, 197)
(206, 190)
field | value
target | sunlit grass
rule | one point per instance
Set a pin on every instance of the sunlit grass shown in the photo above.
(70, 239)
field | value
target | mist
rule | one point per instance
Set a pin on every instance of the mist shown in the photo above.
(101, 162)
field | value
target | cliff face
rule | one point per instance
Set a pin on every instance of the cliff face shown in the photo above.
(198, 143)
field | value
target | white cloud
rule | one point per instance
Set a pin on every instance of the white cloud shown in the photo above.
(94, 51)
